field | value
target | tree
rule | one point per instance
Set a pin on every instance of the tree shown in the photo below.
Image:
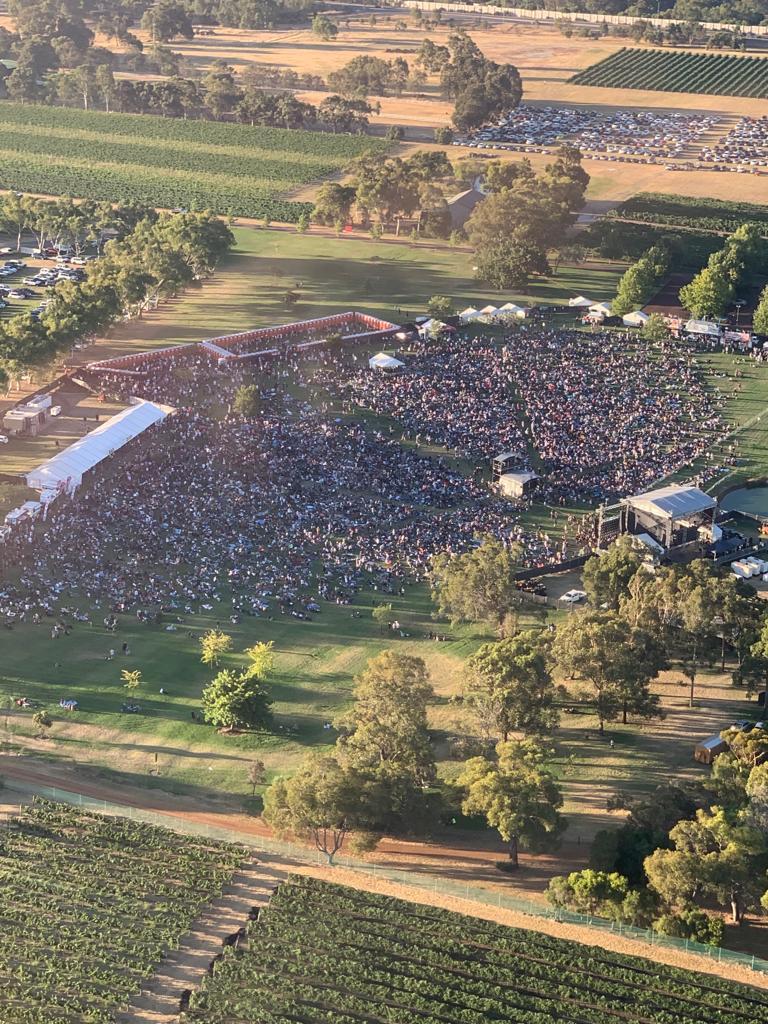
(640, 280)
(388, 721)
(42, 721)
(319, 804)
(606, 577)
(333, 203)
(508, 264)
(509, 687)
(213, 645)
(257, 775)
(480, 88)
(236, 701)
(440, 307)
(618, 660)
(477, 586)
(324, 28)
(383, 616)
(247, 400)
(339, 114)
(131, 679)
(760, 317)
(655, 329)
(516, 795)
(718, 855)
(261, 660)
(589, 892)
(444, 136)
(166, 20)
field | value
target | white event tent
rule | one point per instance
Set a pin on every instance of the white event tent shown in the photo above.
(470, 313)
(580, 302)
(600, 309)
(381, 361)
(489, 310)
(65, 471)
(636, 319)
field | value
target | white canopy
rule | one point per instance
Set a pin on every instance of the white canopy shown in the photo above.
(432, 327)
(66, 470)
(470, 313)
(510, 307)
(600, 309)
(581, 302)
(381, 361)
(702, 327)
(636, 319)
(489, 310)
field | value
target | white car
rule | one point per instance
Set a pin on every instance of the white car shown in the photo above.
(573, 596)
(3, 439)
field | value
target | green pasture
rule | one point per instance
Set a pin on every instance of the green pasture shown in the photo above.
(336, 274)
(315, 666)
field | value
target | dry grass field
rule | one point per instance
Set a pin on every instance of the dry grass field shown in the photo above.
(546, 60)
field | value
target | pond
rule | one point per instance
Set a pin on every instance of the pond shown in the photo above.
(747, 499)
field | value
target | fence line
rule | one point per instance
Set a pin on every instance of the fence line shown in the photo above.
(577, 16)
(470, 893)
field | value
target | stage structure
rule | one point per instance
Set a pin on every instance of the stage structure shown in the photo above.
(670, 522)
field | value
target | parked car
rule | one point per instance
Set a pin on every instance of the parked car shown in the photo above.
(573, 596)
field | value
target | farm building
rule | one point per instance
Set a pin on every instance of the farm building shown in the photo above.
(706, 751)
(461, 205)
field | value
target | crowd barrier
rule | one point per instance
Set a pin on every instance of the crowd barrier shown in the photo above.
(645, 937)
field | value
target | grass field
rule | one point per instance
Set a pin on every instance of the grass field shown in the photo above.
(166, 162)
(679, 71)
(327, 953)
(332, 275)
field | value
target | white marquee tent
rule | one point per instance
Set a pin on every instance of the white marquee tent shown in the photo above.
(580, 302)
(636, 319)
(489, 310)
(381, 361)
(470, 313)
(600, 309)
(65, 471)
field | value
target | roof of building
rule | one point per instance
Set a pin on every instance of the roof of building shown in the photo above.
(462, 204)
(68, 467)
(672, 502)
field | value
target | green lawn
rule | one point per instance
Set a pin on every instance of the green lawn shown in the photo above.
(336, 274)
(316, 663)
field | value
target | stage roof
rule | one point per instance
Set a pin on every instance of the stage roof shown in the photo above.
(672, 502)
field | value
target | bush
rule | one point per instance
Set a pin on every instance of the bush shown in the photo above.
(707, 929)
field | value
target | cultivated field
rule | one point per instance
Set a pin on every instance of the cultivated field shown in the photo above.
(679, 71)
(166, 162)
(90, 907)
(332, 954)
